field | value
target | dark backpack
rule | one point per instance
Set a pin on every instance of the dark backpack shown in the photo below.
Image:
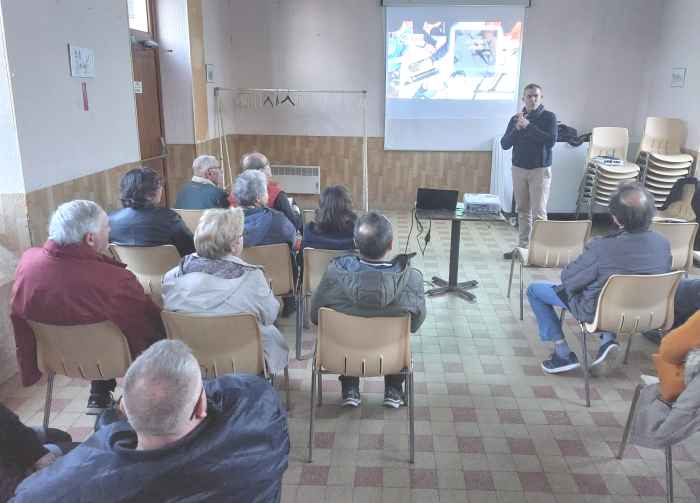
(570, 135)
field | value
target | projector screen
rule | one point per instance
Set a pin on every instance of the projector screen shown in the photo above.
(451, 76)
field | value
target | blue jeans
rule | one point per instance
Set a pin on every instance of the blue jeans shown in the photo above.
(542, 301)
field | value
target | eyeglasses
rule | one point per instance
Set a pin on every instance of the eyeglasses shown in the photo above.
(194, 411)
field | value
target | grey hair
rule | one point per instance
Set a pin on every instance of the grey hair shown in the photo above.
(251, 161)
(203, 163)
(72, 220)
(218, 229)
(161, 388)
(249, 185)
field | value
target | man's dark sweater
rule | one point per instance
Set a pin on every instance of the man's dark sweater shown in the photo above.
(201, 196)
(532, 146)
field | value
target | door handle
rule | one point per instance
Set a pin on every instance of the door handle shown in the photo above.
(164, 148)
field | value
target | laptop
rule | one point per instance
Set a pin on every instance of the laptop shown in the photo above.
(437, 199)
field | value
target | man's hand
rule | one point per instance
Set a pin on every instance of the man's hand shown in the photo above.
(296, 208)
(517, 118)
(46, 460)
(522, 122)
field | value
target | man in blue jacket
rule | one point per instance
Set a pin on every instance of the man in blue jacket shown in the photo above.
(633, 249)
(185, 440)
(532, 134)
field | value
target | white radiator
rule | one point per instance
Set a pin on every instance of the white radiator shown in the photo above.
(297, 179)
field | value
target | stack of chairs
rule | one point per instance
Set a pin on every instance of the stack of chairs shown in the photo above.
(660, 156)
(600, 181)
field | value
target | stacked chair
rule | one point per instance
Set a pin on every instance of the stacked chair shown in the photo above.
(660, 156)
(600, 181)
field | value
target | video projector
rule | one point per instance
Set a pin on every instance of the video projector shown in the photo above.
(481, 203)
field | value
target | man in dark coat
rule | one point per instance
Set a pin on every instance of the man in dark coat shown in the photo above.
(203, 191)
(185, 440)
(634, 249)
(70, 282)
(370, 285)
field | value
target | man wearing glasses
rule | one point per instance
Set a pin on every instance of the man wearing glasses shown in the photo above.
(203, 191)
(277, 199)
(186, 440)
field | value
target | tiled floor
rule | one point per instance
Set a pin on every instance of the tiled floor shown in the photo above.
(490, 425)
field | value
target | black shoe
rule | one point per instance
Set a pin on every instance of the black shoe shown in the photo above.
(393, 398)
(508, 255)
(107, 417)
(289, 307)
(609, 356)
(351, 397)
(97, 403)
(653, 336)
(557, 364)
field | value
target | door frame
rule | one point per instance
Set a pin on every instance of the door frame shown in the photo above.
(140, 37)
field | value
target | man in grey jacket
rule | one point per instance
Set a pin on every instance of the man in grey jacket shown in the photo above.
(634, 249)
(370, 285)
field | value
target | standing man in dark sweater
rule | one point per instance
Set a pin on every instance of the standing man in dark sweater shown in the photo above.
(203, 192)
(532, 133)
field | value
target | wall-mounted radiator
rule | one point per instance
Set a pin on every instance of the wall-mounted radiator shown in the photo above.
(297, 179)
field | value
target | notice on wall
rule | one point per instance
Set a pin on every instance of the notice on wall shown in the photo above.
(138, 87)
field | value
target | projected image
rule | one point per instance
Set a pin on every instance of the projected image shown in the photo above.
(441, 60)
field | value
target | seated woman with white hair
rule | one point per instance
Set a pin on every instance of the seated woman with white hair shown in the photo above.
(216, 282)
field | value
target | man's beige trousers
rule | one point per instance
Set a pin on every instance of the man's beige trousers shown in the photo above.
(531, 191)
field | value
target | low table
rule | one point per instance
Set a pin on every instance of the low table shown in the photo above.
(457, 217)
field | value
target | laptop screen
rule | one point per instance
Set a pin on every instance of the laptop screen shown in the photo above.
(437, 199)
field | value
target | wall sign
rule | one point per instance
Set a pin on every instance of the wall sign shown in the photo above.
(678, 77)
(210, 73)
(138, 87)
(82, 61)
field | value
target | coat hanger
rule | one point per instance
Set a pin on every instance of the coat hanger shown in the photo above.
(268, 100)
(288, 99)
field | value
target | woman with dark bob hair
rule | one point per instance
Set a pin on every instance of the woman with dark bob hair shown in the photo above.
(334, 223)
(141, 222)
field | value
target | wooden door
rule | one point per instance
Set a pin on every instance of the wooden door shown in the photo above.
(149, 107)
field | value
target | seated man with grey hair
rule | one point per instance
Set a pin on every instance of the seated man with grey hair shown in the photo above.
(632, 249)
(185, 440)
(71, 282)
(277, 199)
(203, 192)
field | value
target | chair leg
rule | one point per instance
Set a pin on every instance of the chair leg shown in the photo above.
(411, 421)
(561, 317)
(669, 474)
(300, 316)
(627, 351)
(630, 419)
(585, 366)
(512, 266)
(521, 290)
(289, 394)
(307, 311)
(320, 389)
(312, 421)
(49, 394)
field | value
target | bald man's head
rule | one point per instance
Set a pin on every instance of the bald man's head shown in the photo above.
(633, 207)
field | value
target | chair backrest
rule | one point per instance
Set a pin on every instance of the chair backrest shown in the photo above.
(662, 135)
(682, 237)
(555, 244)
(631, 304)
(611, 141)
(315, 264)
(362, 347)
(277, 263)
(148, 263)
(190, 217)
(222, 344)
(92, 352)
(308, 216)
(682, 209)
